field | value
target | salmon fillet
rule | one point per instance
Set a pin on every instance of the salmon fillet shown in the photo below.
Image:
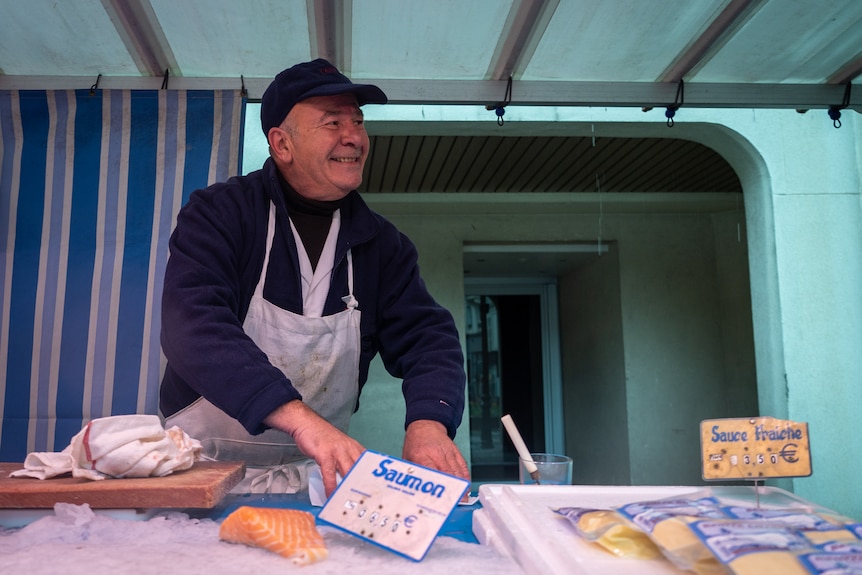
(289, 532)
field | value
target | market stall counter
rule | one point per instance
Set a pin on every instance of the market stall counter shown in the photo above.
(745, 529)
(72, 536)
(510, 529)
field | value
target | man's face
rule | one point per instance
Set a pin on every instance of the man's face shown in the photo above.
(326, 146)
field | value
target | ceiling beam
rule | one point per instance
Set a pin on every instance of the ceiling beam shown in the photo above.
(139, 28)
(524, 27)
(330, 26)
(528, 93)
(617, 94)
(848, 72)
(719, 31)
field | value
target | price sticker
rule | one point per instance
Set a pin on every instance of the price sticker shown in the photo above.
(754, 449)
(393, 503)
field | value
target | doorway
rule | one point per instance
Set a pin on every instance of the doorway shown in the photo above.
(513, 367)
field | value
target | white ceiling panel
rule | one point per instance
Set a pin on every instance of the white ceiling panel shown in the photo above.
(789, 41)
(731, 53)
(595, 40)
(250, 38)
(443, 39)
(46, 37)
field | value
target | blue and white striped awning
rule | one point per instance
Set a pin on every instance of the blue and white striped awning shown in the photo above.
(90, 186)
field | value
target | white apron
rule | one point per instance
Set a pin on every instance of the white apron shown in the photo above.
(320, 356)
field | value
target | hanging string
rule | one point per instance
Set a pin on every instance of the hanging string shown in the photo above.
(165, 79)
(95, 86)
(500, 109)
(835, 111)
(601, 214)
(678, 101)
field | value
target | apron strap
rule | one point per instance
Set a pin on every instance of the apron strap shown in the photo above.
(351, 301)
(270, 234)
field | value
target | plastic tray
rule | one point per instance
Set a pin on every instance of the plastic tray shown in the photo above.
(519, 520)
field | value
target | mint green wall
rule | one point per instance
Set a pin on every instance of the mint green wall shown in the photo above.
(594, 372)
(379, 423)
(803, 200)
(652, 377)
(673, 333)
(803, 217)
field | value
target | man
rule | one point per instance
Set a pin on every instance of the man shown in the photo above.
(283, 285)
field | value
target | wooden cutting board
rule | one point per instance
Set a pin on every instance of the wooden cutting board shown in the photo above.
(203, 486)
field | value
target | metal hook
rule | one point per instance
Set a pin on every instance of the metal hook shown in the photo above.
(835, 114)
(165, 79)
(835, 111)
(500, 109)
(669, 114)
(95, 86)
(678, 101)
(243, 90)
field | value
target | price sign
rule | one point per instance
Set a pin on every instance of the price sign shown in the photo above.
(393, 503)
(754, 449)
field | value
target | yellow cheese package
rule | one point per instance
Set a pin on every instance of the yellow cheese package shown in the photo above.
(832, 563)
(611, 531)
(854, 546)
(666, 521)
(817, 527)
(765, 541)
(758, 547)
(836, 558)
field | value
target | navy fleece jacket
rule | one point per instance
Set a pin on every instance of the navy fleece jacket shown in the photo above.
(216, 256)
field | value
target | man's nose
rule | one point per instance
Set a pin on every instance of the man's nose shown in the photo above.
(352, 133)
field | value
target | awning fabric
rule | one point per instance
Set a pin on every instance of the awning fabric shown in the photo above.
(90, 185)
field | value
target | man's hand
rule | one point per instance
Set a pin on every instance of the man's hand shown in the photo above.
(332, 449)
(427, 443)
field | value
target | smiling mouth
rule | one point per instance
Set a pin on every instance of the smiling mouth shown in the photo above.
(346, 160)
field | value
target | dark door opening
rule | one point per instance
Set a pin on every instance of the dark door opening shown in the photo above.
(504, 370)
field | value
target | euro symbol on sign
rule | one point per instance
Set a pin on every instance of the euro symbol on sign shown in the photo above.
(788, 453)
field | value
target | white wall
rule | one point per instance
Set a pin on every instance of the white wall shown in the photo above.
(666, 371)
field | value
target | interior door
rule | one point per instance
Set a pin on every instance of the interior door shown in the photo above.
(512, 367)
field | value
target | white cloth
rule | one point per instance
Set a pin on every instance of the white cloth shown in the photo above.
(286, 478)
(115, 447)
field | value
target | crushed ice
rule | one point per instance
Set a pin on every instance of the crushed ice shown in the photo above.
(76, 540)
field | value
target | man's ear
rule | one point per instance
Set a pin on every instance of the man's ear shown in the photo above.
(279, 144)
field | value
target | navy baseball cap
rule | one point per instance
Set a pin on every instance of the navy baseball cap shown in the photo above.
(316, 78)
